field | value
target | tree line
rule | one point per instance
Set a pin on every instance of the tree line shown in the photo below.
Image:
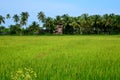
(83, 24)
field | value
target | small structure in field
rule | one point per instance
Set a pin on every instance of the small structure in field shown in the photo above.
(59, 29)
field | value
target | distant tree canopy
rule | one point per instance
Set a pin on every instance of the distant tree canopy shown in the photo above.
(83, 24)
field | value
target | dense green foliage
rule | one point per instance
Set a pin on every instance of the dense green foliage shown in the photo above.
(83, 24)
(61, 57)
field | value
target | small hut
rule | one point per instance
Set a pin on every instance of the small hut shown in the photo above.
(59, 29)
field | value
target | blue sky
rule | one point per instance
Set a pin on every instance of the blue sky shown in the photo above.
(59, 7)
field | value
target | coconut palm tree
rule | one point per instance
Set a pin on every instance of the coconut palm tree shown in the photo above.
(41, 16)
(117, 22)
(16, 18)
(34, 28)
(16, 29)
(95, 22)
(109, 22)
(49, 24)
(85, 23)
(58, 20)
(8, 16)
(24, 18)
(66, 21)
(2, 19)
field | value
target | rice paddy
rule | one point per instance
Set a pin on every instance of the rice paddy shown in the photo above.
(61, 57)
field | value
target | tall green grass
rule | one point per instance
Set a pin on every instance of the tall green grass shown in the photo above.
(61, 57)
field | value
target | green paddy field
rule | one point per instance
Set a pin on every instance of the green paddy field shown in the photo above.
(60, 57)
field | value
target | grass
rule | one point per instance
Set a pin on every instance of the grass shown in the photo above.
(61, 57)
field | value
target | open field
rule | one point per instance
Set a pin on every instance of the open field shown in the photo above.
(61, 57)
